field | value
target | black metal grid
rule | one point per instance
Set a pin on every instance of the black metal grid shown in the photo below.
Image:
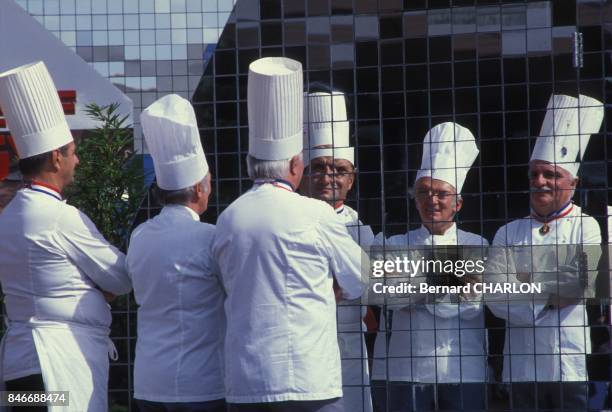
(406, 66)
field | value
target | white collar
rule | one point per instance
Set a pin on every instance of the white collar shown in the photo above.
(192, 213)
(45, 189)
(449, 237)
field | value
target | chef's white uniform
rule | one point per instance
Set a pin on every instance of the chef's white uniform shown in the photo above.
(448, 347)
(52, 262)
(179, 351)
(278, 253)
(353, 352)
(543, 343)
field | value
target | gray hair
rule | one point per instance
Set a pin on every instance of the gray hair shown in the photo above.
(268, 169)
(180, 196)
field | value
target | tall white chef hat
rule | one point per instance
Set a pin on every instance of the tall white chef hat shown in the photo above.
(275, 108)
(33, 110)
(566, 130)
(326, 125)
(449, 150)
(171, 132)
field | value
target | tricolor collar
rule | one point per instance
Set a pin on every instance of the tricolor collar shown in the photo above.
(281, 183)
(564, 211)
(45, 188)
(340, 210)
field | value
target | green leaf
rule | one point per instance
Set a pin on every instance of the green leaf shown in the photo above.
(108, 169)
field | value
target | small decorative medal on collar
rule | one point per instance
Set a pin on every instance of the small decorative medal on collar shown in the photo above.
(545, 229)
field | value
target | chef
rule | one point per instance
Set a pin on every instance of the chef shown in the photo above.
(444, 342)
(179, 351)
(278, 253)
(547, 341)
(54, 264)
(331, 173)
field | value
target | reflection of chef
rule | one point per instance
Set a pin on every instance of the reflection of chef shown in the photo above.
(54, 263)
(555, 330)
(330, 176)
(444, 342)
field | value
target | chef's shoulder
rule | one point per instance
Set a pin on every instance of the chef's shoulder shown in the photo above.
(381, 241)
(352, 213)
(317, 209)
(204, 231)
(591, 231)
(471, 239)
(187, 228)
(506, 234)
(70, 219)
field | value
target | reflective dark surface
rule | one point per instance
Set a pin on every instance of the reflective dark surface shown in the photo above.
(408, 65)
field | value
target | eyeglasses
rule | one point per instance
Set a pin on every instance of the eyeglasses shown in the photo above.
(317, 171)
(427, 194)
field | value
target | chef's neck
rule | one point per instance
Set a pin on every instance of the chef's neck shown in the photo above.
(438, 228)
(50, 179)
(338, 204)
(197, 207)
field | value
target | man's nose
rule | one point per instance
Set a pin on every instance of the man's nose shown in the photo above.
(538, 180)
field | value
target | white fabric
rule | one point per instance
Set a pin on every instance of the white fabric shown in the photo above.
(171, 132)
(74, 356)
(33, 110)
(449, 150)
(347, 153)
(53, 261)
(560, 337)
(353, 352)
(179, 351)
(449, 348)
(326, 124)
(566, 130)
(278, 253)
(275, 108)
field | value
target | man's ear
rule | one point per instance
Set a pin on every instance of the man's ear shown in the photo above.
(56, 160)
(575, 182)
(295, 164)
(351, 178)
(459, 204)
(198, 193)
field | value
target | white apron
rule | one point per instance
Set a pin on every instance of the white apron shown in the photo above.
(73, 358)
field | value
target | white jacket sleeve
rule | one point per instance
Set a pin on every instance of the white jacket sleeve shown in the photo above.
(101, 262)
(501, 268)
(345, 256)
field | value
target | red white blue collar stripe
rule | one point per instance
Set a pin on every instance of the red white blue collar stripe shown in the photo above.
(280, 183)
(45, 189)
(564, 211)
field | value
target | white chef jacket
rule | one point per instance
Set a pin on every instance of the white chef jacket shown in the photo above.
(278, 253)
(448, 347)
(52, 261)
(179, 351)
(353, 351)
(555, 350)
